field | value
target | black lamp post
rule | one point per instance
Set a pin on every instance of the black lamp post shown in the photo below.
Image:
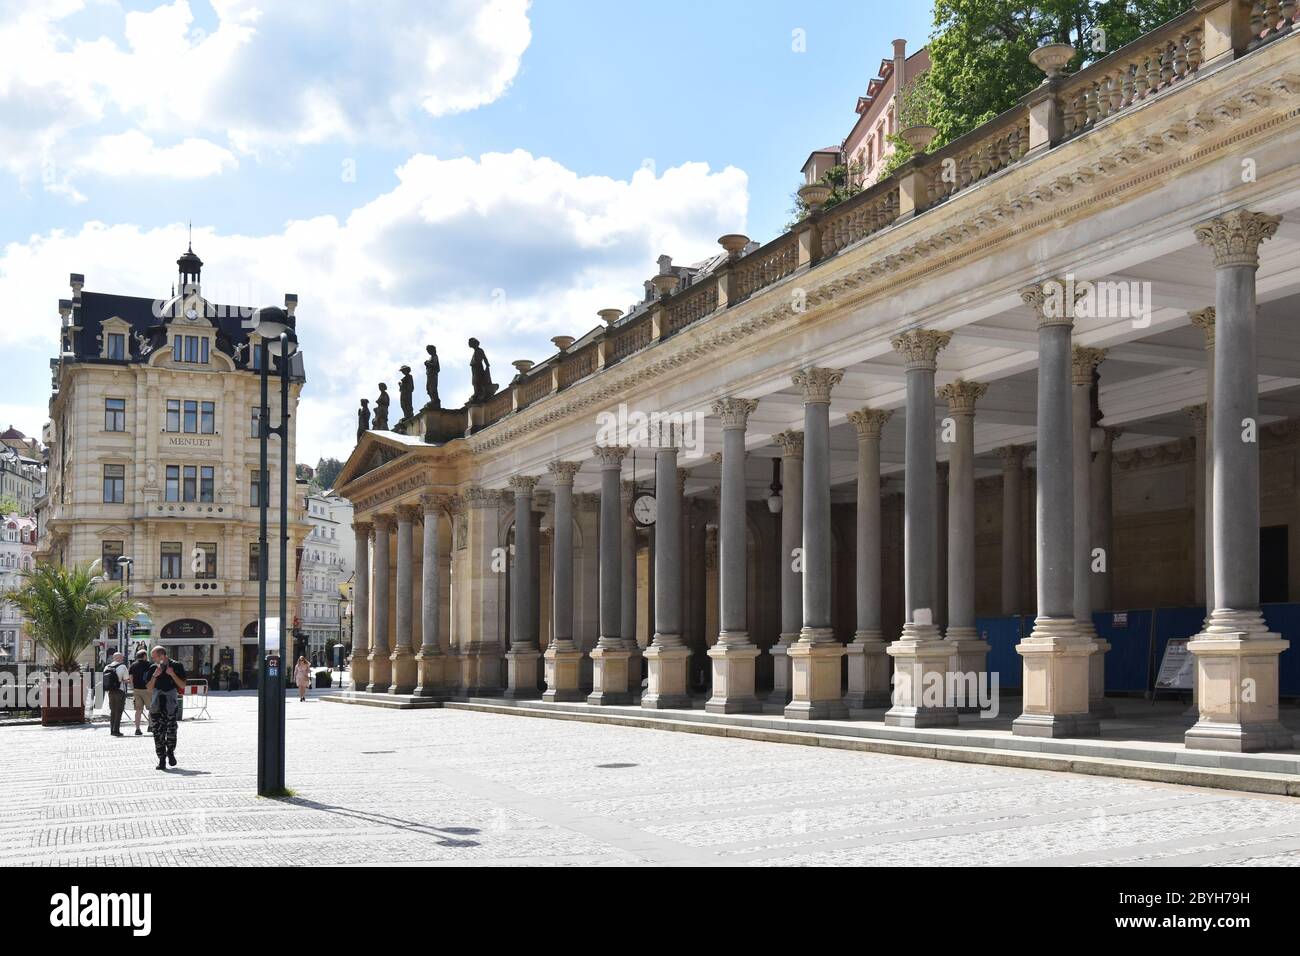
(275, 327)
(124, 565)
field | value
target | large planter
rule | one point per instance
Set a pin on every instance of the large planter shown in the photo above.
(63, 699)
(1052, 58)
(815, 195)
(919, 137)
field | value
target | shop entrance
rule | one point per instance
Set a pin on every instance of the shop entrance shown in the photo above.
(191, 643)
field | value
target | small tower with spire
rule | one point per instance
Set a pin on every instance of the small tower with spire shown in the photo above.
(190, 266)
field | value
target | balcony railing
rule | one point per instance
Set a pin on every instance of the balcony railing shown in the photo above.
(1073, 105)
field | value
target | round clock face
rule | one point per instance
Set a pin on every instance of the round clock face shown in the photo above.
(191, 314)
(644, 509)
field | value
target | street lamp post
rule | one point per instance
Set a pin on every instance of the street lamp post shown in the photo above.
(276, 330)
(124, 565)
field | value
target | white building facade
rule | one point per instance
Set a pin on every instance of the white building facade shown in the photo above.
(325, 567)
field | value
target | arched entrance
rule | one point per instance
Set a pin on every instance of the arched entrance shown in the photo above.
(191, 642)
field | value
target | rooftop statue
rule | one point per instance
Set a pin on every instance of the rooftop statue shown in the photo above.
(480, 370)
(405, 391)
(363, 419)
(380, 424)
(431, 370)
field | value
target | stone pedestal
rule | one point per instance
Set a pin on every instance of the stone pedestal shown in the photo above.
(780, 652)
(563, 669)
(483, 669)
(1237, 686)
(733, 678)
(381, 671)
(431, 671)
(1098, 706)
(403, 671)
(969, 665)
(815, 675)
(609, 676)
(522, 671)
(1055, 694)
(869, 671)
(669, 672)
(921, 660)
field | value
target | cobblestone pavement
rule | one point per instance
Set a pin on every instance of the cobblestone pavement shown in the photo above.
(454, 787)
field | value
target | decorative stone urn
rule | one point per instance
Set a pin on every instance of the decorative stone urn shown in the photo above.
(733, 243)
(610, 316)
(1052, 58)
(562, 342)
(665, 284)
(522, 365)
(919, 137)
(815, 195)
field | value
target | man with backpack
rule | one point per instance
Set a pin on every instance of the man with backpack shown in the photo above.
(115, 685)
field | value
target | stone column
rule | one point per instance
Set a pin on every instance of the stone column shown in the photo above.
(362, 530)
(921, 655)
(1236, 655)
(867, 663)
(403, 658)
(816, 693)
(627, 601)
(734, 654)
(1055, 654)
(381, 667)
(1102, 521)
(791, 443)
(610, 655)
(563, 659)
(1204, 319)
(1200, 500)
(523, 657)
(1013, 477)
(969, 653)
(1085, 362)
(668, 658)
(430, 661)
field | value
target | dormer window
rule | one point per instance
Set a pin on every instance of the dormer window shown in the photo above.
(115, 348)
(193, 349)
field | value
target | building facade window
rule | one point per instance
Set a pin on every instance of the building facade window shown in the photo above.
(115, 414)
(114, 484)
(254, 561)
(109, 552)
(117, 346)
(205, 560)
(207, 418)
(255, 423)
(191, 420)
(190, 483)
(173, 415)
(169, 564)
(255, 490)
(192, 349)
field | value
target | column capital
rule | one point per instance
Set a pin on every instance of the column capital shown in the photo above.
(408, 513)
(920, 348)
(817, 384)
(1053, 300)
(1085, 361)
(434, 503)
(1197, 414)
(734, 412)
(455, 505)
(627, 491)
(870, 421)
(1235, 236)
(962, 395)
(363, 528)
(1013, 457)
(610, 456)
(522, 485)
(476, 496)
(384, 523)
(1204, 320)
(791, 442)
(562, 472)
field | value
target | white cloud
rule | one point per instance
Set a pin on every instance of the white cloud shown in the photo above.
(268, 75)
(509, 247)
(135, 154)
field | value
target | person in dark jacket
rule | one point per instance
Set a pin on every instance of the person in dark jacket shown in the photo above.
(166, 684)
(139, 672)
(115, 675)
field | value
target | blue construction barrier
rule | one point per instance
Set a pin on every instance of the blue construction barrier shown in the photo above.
(1137, 644)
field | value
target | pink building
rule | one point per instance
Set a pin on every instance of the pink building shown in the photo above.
(867, 143)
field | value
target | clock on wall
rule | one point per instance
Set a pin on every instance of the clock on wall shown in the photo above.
(644, 510)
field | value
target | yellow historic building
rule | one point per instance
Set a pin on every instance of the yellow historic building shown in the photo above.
(1006, 410)
(154, 457)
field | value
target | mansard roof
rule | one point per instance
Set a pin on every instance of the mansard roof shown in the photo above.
(149, 318)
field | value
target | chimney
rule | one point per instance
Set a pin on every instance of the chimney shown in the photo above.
(900, 68)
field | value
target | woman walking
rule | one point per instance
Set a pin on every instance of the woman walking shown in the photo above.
(302, 677)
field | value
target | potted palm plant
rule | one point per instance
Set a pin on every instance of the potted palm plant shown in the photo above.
(67, 609)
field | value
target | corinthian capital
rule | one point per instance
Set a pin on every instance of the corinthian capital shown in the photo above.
(734, 412)
(522, 485)
(791, 443)
(817, 384)
(1053, 300)
(870, 421)
(1085, 362)
(1013, 457)
(962, 395)
(920, 348)
(1204, 320)
(1235, 236)
(610, 456)
(562, 472)
(434, 504)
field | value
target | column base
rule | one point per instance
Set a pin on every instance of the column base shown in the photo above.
(868, 666)
(522, 671)
(733, 675)
(609, 676)
(482, 669)
(1055, 695)
(1098, 705)
(359, 671)
(967, 668)
(781, 668)
(562, 664)
(668, 662)
(815, 677)
(404, 676)
(431, 668)
(1237, 685)
(381, 673)
(635, 669)
(920, 697)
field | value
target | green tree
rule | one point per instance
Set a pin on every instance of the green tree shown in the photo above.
(8, 505)
(979, 51)
(67, 609)
(327, 472)
(845, 182)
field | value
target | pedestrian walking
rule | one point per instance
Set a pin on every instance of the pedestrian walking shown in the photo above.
(302, 677)
(115, 677)
(166, 683)
(139, 675)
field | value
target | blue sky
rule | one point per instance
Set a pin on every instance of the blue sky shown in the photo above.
(411, 170)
